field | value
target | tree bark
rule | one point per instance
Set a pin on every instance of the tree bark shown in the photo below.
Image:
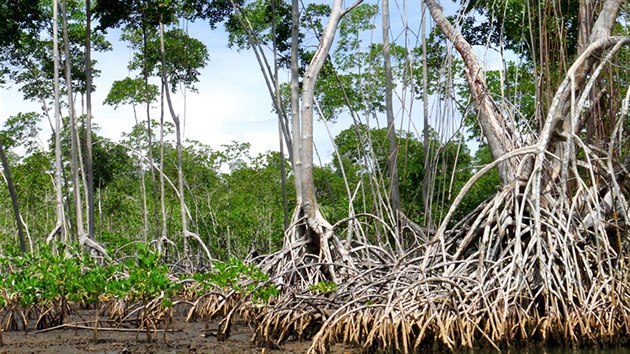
(319, 230)
(60, 225)
(145, 75)
(178, 146)
(89, 175)
(309, 201)
(296, 127)
(281, 119)
(392, 161)
(427, 181)
(500, 136)
(74, 161)
(14, 199)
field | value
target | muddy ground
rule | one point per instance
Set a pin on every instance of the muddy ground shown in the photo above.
(185, 338)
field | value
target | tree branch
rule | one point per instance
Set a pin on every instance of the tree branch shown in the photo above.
(500, 136)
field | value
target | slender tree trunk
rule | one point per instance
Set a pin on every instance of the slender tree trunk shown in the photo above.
(164, 234)
(428, 180)
(585, 21)
(283, 175)
(499, 134)
(145, 73)
(83, 238)
(74, 161)
(145, 212)
(296, 127)
(319, 231)
(309, 201)
(143, 188)
(89, 175)
(392, 161)
(178, 146)
(283, 180)
(14, 199)
(60, 225)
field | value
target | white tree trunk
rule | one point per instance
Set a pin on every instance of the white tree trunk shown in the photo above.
(74, 143)
(296, 127)
(89, 175)
(60, 227)
(392, 161)
(499, 134)
(320, 231)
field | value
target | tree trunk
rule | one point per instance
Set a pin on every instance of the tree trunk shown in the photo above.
(319, 230)
(145, 74)
(186, 233)
(60, 225)
(392, 161)
(14, 200)
(296, 127)
(499, 134)
(164, 230)
(178, 146)
(309, 201)
(89, 175)
(83, 238)
(143, 188)
(427, 181)
(281, 130)
(74, 161)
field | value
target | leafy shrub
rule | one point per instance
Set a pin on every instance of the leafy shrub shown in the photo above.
(243, 278)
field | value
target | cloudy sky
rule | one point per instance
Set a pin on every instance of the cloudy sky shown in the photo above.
(232, 102)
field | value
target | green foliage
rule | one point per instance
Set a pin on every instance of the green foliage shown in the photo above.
(486, 186)
(21, 130)
(134, 13)
(516, 24)
(131, 91)
(185, 56)
(111, 161)
(31, 61)
(213, 11)
(261, 14)
(149, 13)
(68, 274)
(48, 277)
(148, 278)
(323, 287)
(364, 151)
(354, 78)
(243, 278)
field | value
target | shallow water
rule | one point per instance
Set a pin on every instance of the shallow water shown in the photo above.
(617, 350)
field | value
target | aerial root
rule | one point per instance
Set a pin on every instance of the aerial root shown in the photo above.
(543, 261)
(521, 269)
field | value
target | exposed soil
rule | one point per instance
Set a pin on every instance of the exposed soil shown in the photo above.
(184, 338)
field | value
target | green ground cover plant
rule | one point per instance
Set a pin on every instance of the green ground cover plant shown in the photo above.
(41, 290)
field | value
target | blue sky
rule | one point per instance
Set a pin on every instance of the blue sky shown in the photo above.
(232, 102)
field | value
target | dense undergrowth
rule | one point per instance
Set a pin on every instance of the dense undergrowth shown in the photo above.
(58, 285)
(43, 290)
